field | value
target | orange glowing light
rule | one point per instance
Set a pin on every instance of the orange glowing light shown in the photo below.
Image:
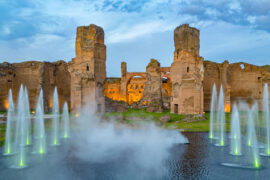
(227, 108)
(6, 103)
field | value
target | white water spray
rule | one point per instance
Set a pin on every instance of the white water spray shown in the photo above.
(65, 121)
(10, 128)
(266, 118)
(55, 120)
(28, 125)
(235, 133)
(221, 118)
(39, 127)
(213, 112)
(20, 158)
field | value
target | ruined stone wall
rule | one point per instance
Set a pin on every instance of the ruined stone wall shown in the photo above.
(135, 89)
(211, 77)
(56, 75)
(245, 82)
(112, 88)
(34, 75)
(152, 96)
(6, 83)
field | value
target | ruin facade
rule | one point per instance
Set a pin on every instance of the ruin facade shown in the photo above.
(88, 69)
(183, 88)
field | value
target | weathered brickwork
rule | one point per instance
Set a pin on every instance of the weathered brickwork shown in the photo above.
(35, 75)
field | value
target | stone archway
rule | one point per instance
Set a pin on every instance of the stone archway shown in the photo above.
(126, 80)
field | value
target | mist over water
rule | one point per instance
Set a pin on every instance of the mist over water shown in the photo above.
(139, 152)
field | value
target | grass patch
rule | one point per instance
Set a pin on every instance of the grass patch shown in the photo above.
(175, 122)
(196, 126)
(141, 114)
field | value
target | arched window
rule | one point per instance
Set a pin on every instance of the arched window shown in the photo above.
(242, 66)
(187, 69)
(87, 68)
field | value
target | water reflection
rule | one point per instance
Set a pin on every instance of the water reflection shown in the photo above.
(193, 160)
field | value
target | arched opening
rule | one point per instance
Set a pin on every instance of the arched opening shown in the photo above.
(166, 91)
(242, 66)
(135, 89)
(187, 69)
(87, 68)
(166, 86)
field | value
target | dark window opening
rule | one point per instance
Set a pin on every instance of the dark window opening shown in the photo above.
(176, 108)
(187, 69)
(14, 75)
(164, 80)
(87, 68)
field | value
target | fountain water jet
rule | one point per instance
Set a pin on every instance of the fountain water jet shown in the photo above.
(266, 118)
(9, 137)
(20, 158)
(213, 117)
(255, 162)
(235, 133)
(39, 130)
(28, 117)
(250, 127)
(221, 119)
(65, 117)
(254, 143)
(55, 121)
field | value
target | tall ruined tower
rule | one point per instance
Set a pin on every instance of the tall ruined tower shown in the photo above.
(187, 72)
(88, 69)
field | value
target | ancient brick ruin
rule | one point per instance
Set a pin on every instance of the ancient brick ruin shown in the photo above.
(88, 69)
(184, 88)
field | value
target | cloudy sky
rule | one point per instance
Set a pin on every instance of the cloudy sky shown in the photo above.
(135, 30)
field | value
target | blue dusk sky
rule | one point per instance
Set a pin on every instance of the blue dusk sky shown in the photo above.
(135, 30)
